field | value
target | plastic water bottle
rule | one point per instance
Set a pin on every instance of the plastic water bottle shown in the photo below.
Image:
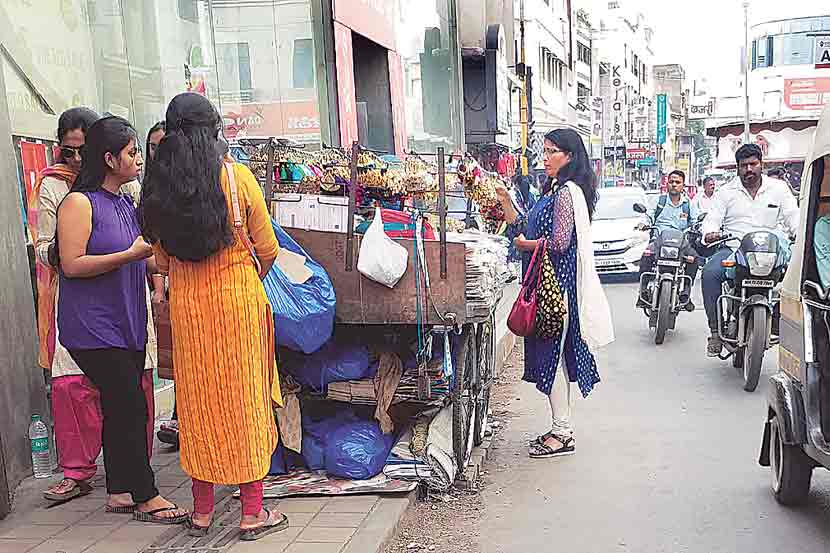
(39, 439)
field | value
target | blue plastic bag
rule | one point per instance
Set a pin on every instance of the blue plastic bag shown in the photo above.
(303, 313)
(357, 450)
(318, 431)
(334, 362)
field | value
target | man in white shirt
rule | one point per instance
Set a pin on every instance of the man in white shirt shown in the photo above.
(703, 201)
(748, 203)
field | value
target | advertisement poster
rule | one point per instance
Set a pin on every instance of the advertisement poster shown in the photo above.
(661, 118)
(807, 94)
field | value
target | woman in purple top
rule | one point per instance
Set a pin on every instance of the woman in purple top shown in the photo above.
(102, 311)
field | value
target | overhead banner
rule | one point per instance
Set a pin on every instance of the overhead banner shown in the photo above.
(661, 118)
(781, 146)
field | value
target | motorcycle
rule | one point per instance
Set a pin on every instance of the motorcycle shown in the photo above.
(661, 289)
(748, 301)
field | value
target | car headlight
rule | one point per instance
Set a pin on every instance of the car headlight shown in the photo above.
(761, 263)
(668, 252)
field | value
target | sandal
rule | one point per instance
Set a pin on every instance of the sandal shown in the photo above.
(195, 530)
(542, 438)
(152, 516)
(169, 433)
(544, 451)
(80, 489)
(251, 534)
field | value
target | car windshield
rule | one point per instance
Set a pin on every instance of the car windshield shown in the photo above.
(616, 207)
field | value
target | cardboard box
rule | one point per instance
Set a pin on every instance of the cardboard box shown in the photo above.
(311, 212)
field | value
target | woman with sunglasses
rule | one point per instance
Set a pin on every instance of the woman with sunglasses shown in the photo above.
(562, 217)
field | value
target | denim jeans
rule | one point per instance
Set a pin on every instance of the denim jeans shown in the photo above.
(711, 279)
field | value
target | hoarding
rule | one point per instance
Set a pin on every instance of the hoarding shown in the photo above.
(661, 118)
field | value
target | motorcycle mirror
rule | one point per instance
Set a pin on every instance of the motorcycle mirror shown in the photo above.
(640, 208)
(701, 217)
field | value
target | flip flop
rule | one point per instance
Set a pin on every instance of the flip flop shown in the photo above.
(121, 509)
(252, 534)
(81, 489)
(152, 516)
(196, 531)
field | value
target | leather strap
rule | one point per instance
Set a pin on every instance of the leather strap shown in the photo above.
(240, 231)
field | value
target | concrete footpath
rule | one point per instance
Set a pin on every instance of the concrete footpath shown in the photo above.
(348, 524)
(345, 524)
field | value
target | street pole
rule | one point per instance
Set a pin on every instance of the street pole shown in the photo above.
(747, 55)
(602, 139)
(523, 96)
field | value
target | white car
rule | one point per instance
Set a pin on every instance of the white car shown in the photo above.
(618, 246)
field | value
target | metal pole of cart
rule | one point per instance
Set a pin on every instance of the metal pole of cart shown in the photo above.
(352, 207)
(442, 210)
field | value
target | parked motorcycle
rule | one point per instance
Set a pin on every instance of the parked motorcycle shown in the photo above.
(748, 301)
(662, 287)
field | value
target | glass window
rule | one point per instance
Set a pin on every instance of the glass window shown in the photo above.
(796, 50)
(303, 63)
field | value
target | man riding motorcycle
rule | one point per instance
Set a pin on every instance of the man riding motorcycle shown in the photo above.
(673, 211)
(750, 202)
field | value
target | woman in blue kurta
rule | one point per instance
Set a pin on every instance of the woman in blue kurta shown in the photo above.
(561, 216)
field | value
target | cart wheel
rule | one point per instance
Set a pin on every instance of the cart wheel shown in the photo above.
(463, 400)
(484, 377)
(792, 470)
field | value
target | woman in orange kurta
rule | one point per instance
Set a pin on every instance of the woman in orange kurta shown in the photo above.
(223, 336)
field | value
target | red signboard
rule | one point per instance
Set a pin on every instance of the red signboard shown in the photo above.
(374, 19)
(345, 85)
(295, 120)
(398, 102)
(807, 94)
(33, 156)
(636, 153)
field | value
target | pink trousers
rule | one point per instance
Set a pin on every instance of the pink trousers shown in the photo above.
(251, 496)
(76, 410)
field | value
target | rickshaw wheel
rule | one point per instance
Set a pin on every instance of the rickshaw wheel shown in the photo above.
(791, 469)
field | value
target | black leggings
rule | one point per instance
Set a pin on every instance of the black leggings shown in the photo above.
(117, 375)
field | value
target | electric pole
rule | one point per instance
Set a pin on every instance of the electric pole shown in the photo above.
(747, 54)
(523, 96)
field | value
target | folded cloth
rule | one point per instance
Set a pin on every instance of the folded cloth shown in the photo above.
(439, 451)
(390, 370)
(289, 417)
(402, 464)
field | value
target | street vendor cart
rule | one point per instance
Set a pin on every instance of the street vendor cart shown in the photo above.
(432, 299)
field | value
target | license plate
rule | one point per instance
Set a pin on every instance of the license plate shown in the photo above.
(607, 262)
(668, 263)
(758, 283)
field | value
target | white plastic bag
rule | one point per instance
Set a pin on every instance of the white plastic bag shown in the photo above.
(381, 258)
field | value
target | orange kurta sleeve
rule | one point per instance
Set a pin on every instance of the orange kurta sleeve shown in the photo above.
(259, 220)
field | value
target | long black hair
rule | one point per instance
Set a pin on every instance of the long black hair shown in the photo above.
(107, 135)
(578, 169)
(182, 204)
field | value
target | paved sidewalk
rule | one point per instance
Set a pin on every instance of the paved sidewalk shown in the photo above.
(348, 524)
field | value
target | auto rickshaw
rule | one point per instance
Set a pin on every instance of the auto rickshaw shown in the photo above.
(797, 430)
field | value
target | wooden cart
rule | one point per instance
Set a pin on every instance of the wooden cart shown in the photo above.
(361, 301)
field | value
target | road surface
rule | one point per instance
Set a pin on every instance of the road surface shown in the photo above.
(666, 460)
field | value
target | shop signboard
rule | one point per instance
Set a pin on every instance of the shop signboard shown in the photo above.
(374, 19)
(822, 52)
(661, 118)
(648, 161)
(636, 154)
(618, 151)
(346, 102)
(702, 107)
(639, 127)
(298, 120)
(807, 94)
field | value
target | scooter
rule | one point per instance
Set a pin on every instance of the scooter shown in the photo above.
(748, 301)
(662, 287)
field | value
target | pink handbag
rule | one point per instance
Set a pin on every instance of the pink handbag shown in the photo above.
(522, 319)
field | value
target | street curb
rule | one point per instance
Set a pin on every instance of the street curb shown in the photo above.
(381, 525)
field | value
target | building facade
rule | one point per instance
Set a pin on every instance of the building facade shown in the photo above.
(623, 42)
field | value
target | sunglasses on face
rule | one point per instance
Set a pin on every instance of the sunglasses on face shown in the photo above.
(69, 152)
